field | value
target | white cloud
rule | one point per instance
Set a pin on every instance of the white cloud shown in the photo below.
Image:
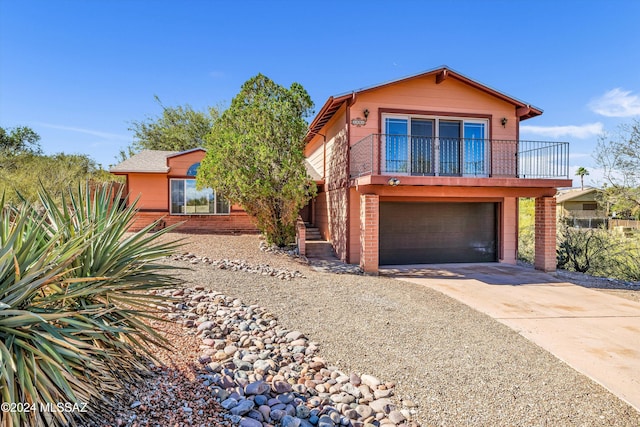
(92, 132)
(573, 156)
(583, 131)
(216, 74)
(616, 103)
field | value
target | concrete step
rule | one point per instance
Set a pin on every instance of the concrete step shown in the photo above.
(319, 249)
(313, 233)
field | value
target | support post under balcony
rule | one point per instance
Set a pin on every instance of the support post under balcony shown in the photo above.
(545, 229)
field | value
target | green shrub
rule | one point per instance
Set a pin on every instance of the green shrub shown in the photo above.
(526, 230)
(598, 252)
(584, 250)
(74, 290)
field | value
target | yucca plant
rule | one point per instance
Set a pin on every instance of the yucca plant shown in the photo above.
(74, 292)
(122, 265)
(41, 361)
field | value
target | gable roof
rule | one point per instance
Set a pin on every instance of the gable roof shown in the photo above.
(442, 73)
(149, 161)
(572, 194)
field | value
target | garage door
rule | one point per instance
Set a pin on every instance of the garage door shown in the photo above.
(429, 233)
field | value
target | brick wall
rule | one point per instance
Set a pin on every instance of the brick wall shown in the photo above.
(236, 222)
(301, 237)
(369, 222)
(545, 228)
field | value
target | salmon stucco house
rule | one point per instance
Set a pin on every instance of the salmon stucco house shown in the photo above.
(164, 182)
(429, 169)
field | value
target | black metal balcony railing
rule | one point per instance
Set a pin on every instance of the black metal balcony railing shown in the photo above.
(381, 154)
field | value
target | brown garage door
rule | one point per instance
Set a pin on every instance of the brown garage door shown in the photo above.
(429, 233)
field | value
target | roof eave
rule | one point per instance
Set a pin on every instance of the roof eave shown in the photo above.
(327, 111)
(124, 172)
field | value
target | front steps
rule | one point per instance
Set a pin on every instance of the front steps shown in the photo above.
(315, 247)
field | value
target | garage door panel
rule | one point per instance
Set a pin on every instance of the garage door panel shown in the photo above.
(427, 233)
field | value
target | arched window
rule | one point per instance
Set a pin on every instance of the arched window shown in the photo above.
(193, 169)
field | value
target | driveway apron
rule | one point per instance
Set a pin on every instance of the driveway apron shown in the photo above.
(595, 333)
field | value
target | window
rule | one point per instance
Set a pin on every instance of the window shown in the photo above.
(589, 206)
(193, 169)
(186, 199)
(415, 145)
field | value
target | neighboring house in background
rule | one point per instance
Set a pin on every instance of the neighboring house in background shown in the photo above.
(580, 208)
(164, 182)
(429, 169)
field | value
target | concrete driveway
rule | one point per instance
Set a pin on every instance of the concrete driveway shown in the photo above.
(595, 333)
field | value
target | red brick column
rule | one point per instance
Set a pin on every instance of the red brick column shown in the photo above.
(545, 250)
(301, 237)
(369, 211)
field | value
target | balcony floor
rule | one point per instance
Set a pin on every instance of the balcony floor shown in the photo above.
(517, 187)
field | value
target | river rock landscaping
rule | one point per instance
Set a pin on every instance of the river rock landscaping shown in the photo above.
(266, 375)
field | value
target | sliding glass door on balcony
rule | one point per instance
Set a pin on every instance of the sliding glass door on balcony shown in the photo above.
(422, 161)
(475, 153)
(449, 137)
(396, 147)
(434, 146)
(408, 146)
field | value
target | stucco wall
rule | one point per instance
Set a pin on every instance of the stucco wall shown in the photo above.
(153, 189)
(179, 165)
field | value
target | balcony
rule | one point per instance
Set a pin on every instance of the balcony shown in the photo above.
(404, 155)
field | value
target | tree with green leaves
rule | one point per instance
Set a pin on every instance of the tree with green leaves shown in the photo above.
(255, 155)
(21, 139)
(177, 129)
(24, 170)
(30, 172)
(618, 155)
(581, 172)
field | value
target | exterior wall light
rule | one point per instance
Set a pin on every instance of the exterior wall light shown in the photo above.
(394, 182)
(504, 122)
(365, 113)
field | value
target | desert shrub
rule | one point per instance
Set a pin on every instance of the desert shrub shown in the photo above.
(584, 250)
(74, 290)
(625, 263)
(598, 252)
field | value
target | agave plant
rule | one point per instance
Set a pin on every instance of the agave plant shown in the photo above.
(74, 293)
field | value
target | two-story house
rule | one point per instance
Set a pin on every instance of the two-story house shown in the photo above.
(429, 169)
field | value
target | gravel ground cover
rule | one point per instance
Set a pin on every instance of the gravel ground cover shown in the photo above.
(460, 366)
(173, 396)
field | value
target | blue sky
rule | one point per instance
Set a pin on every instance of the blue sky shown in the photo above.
(78, 72)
